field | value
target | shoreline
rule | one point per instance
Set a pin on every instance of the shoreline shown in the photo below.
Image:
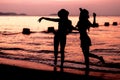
(18, 69)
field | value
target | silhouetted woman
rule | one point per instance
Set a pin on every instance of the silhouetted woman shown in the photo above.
(83, 26)
(64, 27)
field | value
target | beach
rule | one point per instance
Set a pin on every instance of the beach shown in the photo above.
(24, 70)
(31, 57)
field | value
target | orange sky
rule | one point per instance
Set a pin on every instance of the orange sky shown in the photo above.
(46, 7)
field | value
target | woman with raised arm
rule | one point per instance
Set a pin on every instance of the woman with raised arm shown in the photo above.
(64, 27)
(83, 26)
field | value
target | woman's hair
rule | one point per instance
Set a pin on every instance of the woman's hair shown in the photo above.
(84, 14)
(83, 19)
(63, 13)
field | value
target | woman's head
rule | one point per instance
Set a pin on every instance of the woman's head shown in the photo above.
(84, 14)
(83, 18)
(63, 13)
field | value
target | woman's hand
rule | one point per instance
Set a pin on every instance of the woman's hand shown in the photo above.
(94, 14)
(40, 19)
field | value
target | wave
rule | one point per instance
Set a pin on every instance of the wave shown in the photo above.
(107, 67)
(110, 50)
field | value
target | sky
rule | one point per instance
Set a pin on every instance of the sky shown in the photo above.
(47, 7)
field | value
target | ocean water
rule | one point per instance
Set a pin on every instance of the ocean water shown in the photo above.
(38, 46)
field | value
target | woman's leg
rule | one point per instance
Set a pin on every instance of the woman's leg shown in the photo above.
(62, 49)
(56, 44)
(97, 57)
(85, 51)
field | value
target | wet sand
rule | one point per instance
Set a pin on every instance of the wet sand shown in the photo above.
(24, 70)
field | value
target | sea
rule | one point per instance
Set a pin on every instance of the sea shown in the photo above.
(37, 47)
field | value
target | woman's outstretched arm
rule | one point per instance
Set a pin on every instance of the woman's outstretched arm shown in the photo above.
(49, 19)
